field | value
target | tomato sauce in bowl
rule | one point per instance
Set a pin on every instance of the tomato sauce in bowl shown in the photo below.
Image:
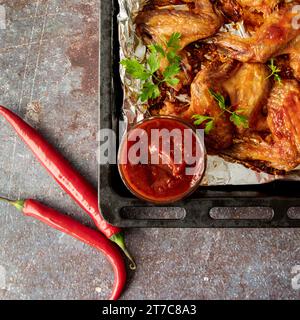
(162, 159)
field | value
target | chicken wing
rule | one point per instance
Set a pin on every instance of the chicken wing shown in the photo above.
(276, 32)
(293, 49)
(203, 103)
(264, 6)
(240, 84)
(192, 22)
(248, 90)
(281, 151)
(230, 9)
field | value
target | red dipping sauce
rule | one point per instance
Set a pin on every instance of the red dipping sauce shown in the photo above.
(162, 160)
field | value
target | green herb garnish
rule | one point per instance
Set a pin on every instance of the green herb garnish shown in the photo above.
(148, 73)
(209, 122)
(219, 98)
(274, 71)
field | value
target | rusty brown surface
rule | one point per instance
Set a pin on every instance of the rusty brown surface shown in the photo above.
(84, 50)
(48, 58)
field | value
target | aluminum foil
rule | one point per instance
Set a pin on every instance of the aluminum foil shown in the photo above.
(219, 171)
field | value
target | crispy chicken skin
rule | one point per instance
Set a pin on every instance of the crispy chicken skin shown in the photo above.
(275, 33)
(203, 103)
(264, 6)
(248, 90)
(293, 49)
(281, 151)
(198, 22)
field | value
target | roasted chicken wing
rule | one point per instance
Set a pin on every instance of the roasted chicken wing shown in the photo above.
(203, 103)
(281, 150)
(293, 49)
(246, 85)
(231, 10)
(248, 90)
(275, 33)
(264, 6)
(194, 22)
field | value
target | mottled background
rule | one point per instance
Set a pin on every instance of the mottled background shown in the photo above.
(48, 59)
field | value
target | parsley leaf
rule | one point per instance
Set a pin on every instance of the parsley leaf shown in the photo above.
(149, 91)
(172, 81)
(209, 122)
(157, 49)
(153, 62)
(199, 119)
(173, 57)
(209, 126)
(235, 116)
(171, 70)
(135, 69)
(219, 98)
(274, 71)
(174, 65)
(151, 79)
(174, 41)
(239, 120)
(277, 78)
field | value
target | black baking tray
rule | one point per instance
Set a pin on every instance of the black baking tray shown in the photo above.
(116, 200)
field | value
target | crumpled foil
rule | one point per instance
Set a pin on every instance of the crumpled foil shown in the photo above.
(219, 171)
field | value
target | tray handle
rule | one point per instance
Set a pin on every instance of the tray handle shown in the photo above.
(197, 215)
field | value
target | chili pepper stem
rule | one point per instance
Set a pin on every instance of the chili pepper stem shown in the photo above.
(18, 204)
(119, 239)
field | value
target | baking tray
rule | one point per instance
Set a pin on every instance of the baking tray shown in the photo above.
(116, 201)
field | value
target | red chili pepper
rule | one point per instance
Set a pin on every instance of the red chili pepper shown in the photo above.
(66, 176)
(77, 230)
